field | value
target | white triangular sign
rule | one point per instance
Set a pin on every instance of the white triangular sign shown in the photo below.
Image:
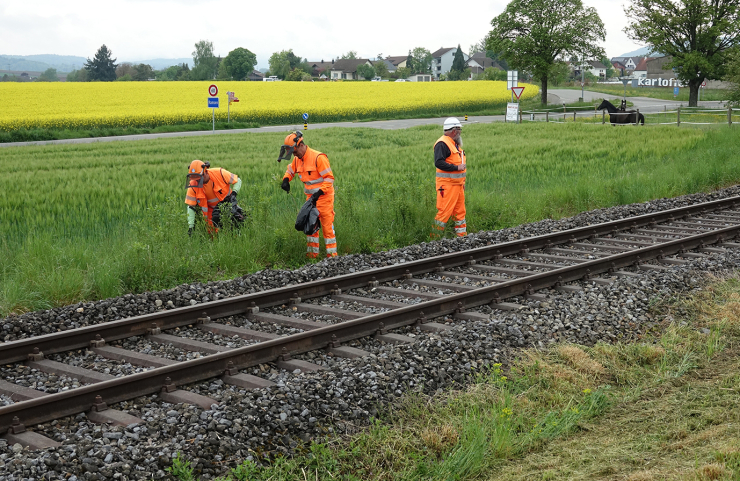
(517, 91)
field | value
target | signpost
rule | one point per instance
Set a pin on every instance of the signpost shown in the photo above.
(675, 92)
(305, 121)
(213, 103)
(512, 112)
(703, 85)
(625, 81)
(232, 98)
(517, 91)
(512, 80)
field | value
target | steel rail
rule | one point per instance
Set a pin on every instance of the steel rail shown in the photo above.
(15, 351)
(71, 402)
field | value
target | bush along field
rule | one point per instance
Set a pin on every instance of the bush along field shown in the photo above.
(98, 220)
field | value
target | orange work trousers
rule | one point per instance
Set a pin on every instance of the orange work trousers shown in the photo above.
(450, 202)
(325, 205)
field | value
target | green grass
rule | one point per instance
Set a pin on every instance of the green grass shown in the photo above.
(663, 408)
(664, 93)
(91, 221)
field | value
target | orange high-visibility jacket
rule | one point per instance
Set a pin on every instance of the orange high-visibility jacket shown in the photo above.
(456, 157)
(313, 170)
(218, 187)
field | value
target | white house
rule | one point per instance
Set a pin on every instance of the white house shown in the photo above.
(442, 61)
(346, 68)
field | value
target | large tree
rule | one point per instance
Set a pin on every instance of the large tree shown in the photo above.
(205, 63)
(102, 67)
(239, 63)
(49, 75)
(697, 34)
(533, 34)
(422, 60)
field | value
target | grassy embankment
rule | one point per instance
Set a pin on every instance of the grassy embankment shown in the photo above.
(664, 93)
(83, 222)
(664, 408)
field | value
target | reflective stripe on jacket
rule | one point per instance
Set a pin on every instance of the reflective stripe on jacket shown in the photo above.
(216, 190)
(313, 170)
(456, 157)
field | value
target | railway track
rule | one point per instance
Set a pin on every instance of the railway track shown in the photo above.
(278, 325)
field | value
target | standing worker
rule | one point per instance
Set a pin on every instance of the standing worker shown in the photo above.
(213, 192)
(313, 168)
(449, 158)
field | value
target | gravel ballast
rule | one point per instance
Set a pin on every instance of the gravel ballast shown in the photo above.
(341, 399)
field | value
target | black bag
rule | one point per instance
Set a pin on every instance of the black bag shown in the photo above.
(308, 218)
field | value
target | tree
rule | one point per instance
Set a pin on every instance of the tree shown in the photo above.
(205, 64)
(422, 60)
(49, 75)
(102, 67)
(403, 72)
(279, 64)
(77, 76)
(350, 54)
(366, 71)
(381, 68)
(732, 75)
(697, 34)
(491, 73)
(610, 72)
(240, 63)
(143, 72)
(559, 73)
(123, 69)
(532, 34)
(458, 64)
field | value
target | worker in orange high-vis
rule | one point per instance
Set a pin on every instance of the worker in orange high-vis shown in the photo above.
(212, 191)
(449, 159)
(313, 169)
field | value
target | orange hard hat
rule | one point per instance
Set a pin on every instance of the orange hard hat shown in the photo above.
(198, 167)
(293, 139)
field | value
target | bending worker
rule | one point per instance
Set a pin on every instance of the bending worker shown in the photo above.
(211, 191)
(449, 158)
(313, 168)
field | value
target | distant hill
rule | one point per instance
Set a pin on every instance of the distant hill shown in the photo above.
(640, 52)
(67, 63)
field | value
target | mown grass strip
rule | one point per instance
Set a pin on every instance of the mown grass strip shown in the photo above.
(663, 408)
(98, 220)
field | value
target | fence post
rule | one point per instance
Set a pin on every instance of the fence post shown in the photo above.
(547, 116)
(637, 117)
(729, 115)
(574, 116)
(678, 116)
(603, 117)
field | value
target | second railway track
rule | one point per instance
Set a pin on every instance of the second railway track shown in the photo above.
(276, 325)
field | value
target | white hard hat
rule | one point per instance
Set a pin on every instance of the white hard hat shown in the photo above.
(451, 123)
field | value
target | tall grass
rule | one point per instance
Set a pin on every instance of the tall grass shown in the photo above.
(97, 220)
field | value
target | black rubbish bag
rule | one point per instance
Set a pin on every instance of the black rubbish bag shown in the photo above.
(308, 218)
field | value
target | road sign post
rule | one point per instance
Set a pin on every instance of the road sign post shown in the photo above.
(512, 80)
(213, 103)
(625, 81)
(675, 92)
(305, 121)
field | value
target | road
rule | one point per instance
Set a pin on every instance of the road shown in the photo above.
(568, 96)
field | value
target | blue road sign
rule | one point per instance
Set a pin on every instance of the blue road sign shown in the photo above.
(675, 91)
(213, 103)
(305, 117)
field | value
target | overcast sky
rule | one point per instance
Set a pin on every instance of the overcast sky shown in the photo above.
(318, 29)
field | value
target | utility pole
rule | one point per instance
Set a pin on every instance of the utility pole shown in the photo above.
(583, 74)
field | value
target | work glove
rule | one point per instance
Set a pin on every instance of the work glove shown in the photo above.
(316, 196)
(285, 185)
(190, 231)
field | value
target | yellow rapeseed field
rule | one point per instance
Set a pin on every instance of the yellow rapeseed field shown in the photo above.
(62, 105)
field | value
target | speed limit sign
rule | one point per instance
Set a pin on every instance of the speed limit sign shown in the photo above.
(213, 90)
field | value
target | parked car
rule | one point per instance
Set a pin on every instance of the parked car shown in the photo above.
(403, 80)
(271, 78)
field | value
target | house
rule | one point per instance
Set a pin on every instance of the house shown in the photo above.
(397, 62)
(388, 65)
(319, 68)
(256, 76)
(442, 61)
(629, 63)
(619, 67)
(420, 77)
(479, 62)
(657, 67)
(346, 68)
(640, 70)
(596, 68)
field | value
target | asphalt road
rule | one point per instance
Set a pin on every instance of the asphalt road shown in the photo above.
(643, 103)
